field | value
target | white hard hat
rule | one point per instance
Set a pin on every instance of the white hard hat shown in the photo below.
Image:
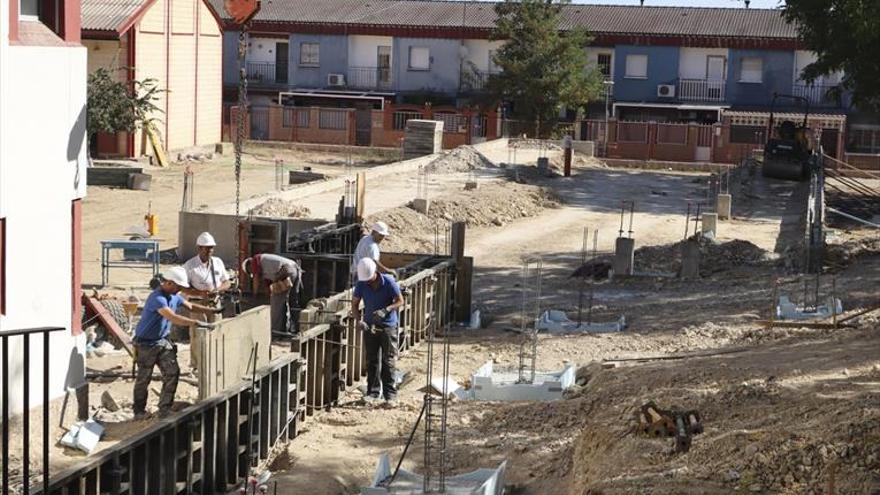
(366, 269)
(381, 228)
(206, 239)
(177, 275)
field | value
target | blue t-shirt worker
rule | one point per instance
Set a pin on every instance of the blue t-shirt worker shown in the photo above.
(379, 321)
(151, 343)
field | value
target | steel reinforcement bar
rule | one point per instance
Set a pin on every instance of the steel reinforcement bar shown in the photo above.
(201, 449)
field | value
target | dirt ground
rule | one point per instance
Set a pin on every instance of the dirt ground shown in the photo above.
(785, 410)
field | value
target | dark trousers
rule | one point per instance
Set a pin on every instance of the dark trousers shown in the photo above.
(381, 350)
(163, 354)
(284, 310)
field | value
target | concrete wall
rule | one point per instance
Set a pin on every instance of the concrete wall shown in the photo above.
(443, 74)
(42, 171)
(333, 54)
(109, 54)
(662, 69)
(363, 50)
(178, 42)
(592, 53)
(477, 52)
(777, 66)
(262, 48)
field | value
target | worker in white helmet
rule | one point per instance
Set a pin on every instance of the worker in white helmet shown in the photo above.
(206, 272)
(208, 279)
(379, 321)
(368, 247)
(151, 339)
(283, 277)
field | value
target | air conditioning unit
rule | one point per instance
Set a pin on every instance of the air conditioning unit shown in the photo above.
(666, 90)
(335, 79)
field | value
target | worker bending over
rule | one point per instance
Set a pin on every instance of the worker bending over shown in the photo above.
(379, 322)
(284, 278)
(368, 247)
(151, 343)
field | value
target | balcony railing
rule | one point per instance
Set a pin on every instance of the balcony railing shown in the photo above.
(701, 90)
(473, 80)
(266, 73)
(819, 95)
(369, 78)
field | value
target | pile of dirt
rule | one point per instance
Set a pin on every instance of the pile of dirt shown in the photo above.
(534, 144)
(462, 159)
(715, 256)
(489, 205)
(852, 247)
(276, 208)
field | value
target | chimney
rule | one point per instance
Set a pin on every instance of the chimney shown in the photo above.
(747, 2)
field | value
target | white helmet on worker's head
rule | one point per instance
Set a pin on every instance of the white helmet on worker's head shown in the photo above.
(177, 274)
(366, 269)
(247, 265)
(381, 228)
(206, 240)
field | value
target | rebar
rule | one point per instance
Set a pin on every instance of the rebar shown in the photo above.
(583, 282)
(528, 351)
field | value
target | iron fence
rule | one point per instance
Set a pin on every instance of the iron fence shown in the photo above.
(369, 78)
(333, 119)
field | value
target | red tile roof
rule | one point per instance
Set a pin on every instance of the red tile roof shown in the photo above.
(599, 19)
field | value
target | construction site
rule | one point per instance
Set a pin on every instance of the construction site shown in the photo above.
(627, 307)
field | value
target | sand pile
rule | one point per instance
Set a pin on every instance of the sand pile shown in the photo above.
(462, 159)
(714, 256)
(276, 207)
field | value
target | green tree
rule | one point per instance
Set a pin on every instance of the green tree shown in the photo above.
(542, 69)
(845, 34)
(115, 106)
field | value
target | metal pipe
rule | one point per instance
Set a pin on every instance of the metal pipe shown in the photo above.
(46, 473)
(632, 207)
(25, 417)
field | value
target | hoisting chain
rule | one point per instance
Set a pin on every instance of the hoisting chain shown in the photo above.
(242, 115)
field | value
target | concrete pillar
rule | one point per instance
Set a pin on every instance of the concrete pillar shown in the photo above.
(624, 251)
(723, 206)
(710, 224)
(421, 205)
(690, 259)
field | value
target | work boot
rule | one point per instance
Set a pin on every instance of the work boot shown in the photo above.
(371, 398)
(141, 416)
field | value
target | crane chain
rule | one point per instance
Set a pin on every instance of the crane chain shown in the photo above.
(239, 141)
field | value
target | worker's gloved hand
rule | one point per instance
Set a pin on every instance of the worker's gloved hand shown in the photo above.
(380, 314)
(363, 327)
(206, 325)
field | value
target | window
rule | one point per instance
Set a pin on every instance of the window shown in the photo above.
(29, 9)
(751, 70)
(309, 54)
(419, 58)
(637, 66)
(603, 60)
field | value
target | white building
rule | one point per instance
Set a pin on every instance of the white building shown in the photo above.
(42, 180)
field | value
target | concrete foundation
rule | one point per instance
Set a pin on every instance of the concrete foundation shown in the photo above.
(787, 310)
(710, 224)
(225, 353)
(690, 260)
(470, 185)
(723, 206)
(421, 205)
(624, 252)
(479, 482)
(556, 321)
(487, 384)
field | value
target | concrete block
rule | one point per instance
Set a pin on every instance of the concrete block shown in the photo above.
(710, 224)
(543, 163)
(690, 260)
(487, 384)
(624, 256)
(139, 182)
(225, 353)
(83, 435)
(480, 482)
(421, 205)
(303, 176)
(557, 321)
(724, 206)
(470, 185)
(787, 310)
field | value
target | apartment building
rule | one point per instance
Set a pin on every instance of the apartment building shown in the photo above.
(664, 64)
(175, 42)
(42, 182)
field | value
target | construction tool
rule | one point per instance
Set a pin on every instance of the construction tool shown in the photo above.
(156, 143)
(682, 425)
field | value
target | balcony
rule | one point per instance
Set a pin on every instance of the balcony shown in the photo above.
(370, 78)
(705, 90)
(473, 80)
(819, 95)
(266, 73)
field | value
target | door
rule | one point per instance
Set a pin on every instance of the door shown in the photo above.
(716, 69)
(383, 67)
(363, 121)
(281, 54)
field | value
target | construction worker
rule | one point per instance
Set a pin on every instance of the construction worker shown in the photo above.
(284, 279)
(151, 343)
(379, 321)
(368, 247)
(207, 279)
